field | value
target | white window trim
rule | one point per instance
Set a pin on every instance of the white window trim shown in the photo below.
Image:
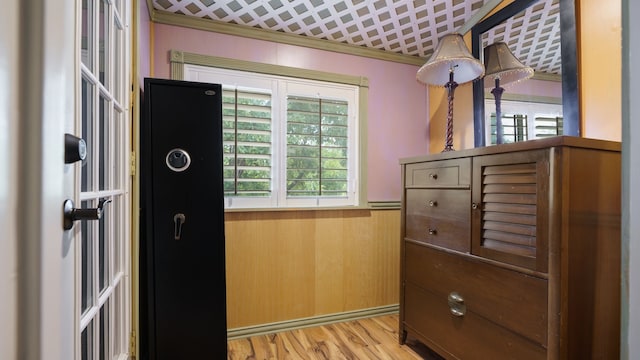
(298, 86)
(180, 60)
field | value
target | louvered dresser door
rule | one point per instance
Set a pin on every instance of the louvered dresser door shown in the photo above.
(510, 203)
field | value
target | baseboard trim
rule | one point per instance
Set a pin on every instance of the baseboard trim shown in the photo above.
(243, 332)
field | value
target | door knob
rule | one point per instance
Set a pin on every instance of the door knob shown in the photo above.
(71, 214)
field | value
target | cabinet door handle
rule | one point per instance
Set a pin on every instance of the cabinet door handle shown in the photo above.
(456, 304)
(433, 176)
(474, 206)
(456, 312)
(178, 220)
(433, 231)
(433, 203)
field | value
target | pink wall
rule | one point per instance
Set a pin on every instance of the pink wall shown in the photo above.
(398, 107)
(144, 42)
(535, 88)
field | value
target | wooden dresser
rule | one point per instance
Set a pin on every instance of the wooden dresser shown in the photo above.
(513, 251)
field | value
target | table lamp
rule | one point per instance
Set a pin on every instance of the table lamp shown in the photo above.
(450, 59)
(502, 67)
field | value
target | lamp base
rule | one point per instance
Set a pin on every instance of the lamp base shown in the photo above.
(497, 95)
(451, 87)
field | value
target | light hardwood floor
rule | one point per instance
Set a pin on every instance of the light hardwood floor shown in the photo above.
(363, 339)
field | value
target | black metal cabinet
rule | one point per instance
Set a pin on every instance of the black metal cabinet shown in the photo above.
(182, 264)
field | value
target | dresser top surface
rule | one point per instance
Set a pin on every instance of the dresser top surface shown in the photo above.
(556, 141)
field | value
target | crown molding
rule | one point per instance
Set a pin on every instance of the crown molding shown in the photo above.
(150, 8)
(178, 58)
(164, 17)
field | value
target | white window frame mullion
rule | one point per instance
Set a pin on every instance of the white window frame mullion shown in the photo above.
(92, 317)
(118, 23)
(112, 322)
(95, 132)
(111, 59)
(84, 320)
(106, 95)
(95, 233)
(121, 278)
(108, 60)
(280, 155)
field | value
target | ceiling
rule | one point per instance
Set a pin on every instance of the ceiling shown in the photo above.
(406, 27)
(533, 36)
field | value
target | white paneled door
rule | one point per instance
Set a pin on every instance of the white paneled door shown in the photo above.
(64, 294)
(37, 99)
(8, 183)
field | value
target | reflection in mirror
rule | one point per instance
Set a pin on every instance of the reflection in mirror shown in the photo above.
(502, 67)
(533, 35)
(536, 33)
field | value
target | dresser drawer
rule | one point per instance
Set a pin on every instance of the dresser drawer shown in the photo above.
(514, 300)
(439, 217)
(467, 337)
(454, 172)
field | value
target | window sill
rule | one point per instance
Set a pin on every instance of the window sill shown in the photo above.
(373, 205)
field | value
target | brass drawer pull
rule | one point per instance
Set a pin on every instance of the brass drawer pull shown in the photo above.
(433, 231)
(456, 304)
(433, 203)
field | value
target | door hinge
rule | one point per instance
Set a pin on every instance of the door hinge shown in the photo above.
(132, 345)
(132, 163)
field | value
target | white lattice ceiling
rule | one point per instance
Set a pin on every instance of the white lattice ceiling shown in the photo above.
(533, 36)
(409, 27)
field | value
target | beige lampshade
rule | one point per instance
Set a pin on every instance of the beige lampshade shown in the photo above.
(500, 63)
(450, 54)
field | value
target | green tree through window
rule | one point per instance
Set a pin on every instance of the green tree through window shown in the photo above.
(317, 147)
(247, 142)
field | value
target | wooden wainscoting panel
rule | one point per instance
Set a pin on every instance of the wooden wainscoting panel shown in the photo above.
(270, 267)
(372, 261)
(284, 265)
(330, 256)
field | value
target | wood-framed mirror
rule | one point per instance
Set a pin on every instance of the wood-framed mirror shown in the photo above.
(531, 29)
